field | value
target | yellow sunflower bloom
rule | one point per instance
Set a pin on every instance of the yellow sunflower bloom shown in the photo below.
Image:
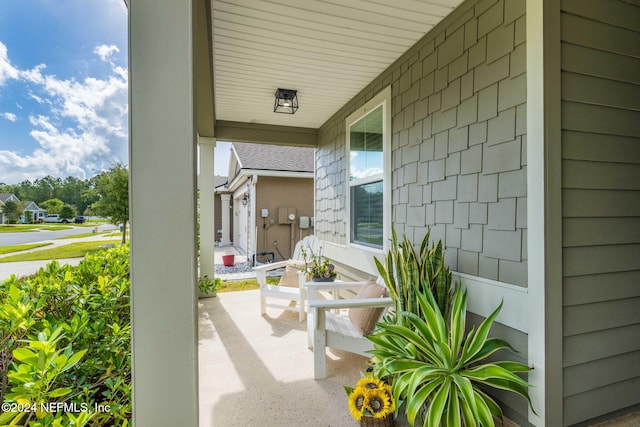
(379, 403)
(369, 383)
(357, 400)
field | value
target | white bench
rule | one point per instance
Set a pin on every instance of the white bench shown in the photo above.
(329, 329)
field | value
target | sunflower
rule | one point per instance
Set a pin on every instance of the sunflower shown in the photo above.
(369, 383)
(379, 402)
(357, 400)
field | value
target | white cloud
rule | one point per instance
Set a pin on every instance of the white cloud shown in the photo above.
(9, 116)
(105, 52)
(7, 71)
(83, 128)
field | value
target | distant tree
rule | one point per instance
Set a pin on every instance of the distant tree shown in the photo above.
(72, 192)
(52, 206)
(12, 211)
(47, 188)
(67, 212)
(112, 191)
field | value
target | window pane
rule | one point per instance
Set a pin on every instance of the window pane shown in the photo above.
(366, 214)
(365, 140)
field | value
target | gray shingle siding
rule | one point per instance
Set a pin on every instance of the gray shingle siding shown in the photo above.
(458, 130)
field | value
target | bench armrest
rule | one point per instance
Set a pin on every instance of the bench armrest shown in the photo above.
(350, 303)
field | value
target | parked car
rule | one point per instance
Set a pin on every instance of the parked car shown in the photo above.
(55, 218)
(52, 218)
(80, 219)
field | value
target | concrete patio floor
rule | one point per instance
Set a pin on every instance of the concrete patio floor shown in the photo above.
(257, 371)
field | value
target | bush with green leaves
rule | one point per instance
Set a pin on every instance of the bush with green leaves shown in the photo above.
(440, 374)
(65, 352)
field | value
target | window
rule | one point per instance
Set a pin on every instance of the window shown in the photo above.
(367, 142)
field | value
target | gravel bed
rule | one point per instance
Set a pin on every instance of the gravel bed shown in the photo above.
(242, 267)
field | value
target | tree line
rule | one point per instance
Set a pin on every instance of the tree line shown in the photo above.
(105, 194)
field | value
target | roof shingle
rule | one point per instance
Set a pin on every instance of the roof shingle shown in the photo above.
(275, 157)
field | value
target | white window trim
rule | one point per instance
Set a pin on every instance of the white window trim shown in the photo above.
(382, 98)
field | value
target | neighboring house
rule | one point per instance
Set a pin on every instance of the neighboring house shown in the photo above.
(270, 190)
(3, 198)
(510, 128)
(31, 212)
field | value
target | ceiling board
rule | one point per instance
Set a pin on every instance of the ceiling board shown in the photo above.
(328, 50)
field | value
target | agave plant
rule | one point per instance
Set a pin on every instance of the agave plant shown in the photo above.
(406, 271)
(439, 372)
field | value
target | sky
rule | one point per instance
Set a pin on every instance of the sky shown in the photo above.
(63, 88)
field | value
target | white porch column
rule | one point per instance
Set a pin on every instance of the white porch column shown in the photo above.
(207, 212)
(544, 211)
(226, 228)
(162, 163)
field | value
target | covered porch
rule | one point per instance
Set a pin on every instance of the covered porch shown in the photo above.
(498, 116)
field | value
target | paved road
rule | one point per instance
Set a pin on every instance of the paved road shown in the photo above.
(25, 268)
(10, 239)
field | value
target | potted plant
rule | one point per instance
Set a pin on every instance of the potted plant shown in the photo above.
(371, 402)
(318, 267)
(208, 287)
(439, 373)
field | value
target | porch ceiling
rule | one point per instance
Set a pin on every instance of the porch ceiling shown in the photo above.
(328, 50)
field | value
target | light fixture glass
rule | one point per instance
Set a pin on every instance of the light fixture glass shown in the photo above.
(286, 101)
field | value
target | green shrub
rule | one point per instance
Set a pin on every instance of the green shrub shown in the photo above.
(65, 352)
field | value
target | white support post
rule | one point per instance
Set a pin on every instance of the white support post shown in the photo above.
(544, 211)
(162, 162)
(207, 211)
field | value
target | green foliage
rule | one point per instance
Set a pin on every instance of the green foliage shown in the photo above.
(406, 272)
(11, 211)
(52, 206)
(111, 189)
(440, 373)
(208, 286)
(71, 191)
(67, 212)
(65, 340)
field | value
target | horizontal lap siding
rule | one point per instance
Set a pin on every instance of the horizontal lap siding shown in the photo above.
(601, 207)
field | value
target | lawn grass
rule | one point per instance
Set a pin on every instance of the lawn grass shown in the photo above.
(245, 284)
(14, 228)
(73, 250)
(78, 236)
(18, 248)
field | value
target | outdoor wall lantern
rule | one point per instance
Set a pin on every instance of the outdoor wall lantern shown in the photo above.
(245, 200)
(286, 101)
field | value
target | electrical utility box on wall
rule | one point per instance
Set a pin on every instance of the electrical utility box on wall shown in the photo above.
(305, 222)
(286, 215)
(264, 213)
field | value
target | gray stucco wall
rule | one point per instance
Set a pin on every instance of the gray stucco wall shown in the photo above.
(459, 143)
(601, 207)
